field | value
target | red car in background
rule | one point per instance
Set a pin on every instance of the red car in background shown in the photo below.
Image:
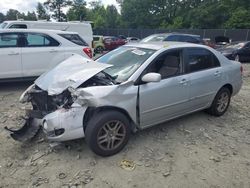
(111, 42)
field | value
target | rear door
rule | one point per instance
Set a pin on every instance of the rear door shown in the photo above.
(10, 56)
(40, 53)
(205, 74)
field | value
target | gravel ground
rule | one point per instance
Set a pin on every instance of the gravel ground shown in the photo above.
(197, 150)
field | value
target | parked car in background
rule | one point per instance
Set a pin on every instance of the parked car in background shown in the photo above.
(134, 87)
(122, 37)
(111, 42)
(208, 42)
(83, 28)
(99, 46)
(178, 37)
(28, 53)
(238, 51)
(221, 41)
(133, 39)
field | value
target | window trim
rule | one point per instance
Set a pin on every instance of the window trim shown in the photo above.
(40, 34)
(17, 24)
(182, 64)
(12, 33)
(186, 60)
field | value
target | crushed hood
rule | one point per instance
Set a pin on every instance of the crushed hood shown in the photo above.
(70, 73)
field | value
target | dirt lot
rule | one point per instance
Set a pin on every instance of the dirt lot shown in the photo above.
(195, 151)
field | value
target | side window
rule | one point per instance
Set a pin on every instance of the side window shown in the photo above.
(172, 38)
(40, 40)
(76, 39)
(18, 26)
(168, 64)
(191, 39)
(201, 59)
(8, 40)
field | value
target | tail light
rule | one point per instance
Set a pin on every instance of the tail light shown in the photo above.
(88, 51)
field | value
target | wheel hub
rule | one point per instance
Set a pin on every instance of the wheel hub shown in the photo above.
(111, 135)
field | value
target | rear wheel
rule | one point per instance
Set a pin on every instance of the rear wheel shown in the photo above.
(220, 103)
(107, 133)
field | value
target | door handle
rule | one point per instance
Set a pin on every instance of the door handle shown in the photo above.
(217, 73)
(13, 53)
(53, 51)
(183, 81)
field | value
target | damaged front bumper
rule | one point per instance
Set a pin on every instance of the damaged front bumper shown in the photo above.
(64, 124)
(60, 125)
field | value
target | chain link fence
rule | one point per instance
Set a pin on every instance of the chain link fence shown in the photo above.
(234, 34)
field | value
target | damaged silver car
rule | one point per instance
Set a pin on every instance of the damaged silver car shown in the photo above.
(131, 88)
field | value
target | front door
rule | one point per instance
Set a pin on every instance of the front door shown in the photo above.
(168, 98)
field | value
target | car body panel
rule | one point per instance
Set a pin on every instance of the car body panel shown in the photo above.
(12, 58)
(169, 98)
(70, 73)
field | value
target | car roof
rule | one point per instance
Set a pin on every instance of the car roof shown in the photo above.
(49, 22)
(160, 45)
(175, 33)
(37, 31)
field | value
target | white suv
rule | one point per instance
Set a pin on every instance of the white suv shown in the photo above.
(29, 53)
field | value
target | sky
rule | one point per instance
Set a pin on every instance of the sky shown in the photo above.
(30, 5)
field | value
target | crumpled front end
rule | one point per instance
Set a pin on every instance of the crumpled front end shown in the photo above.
(59, 117)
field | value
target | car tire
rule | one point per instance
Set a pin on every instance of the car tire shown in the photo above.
(107, 133)
(237, 58)
(220, 103)
(99, 49)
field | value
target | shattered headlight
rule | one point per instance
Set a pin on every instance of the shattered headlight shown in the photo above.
(25, 96)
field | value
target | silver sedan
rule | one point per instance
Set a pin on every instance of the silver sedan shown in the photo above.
(131, 88)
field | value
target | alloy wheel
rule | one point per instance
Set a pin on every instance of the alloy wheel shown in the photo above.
(222, 102)
(111, 135)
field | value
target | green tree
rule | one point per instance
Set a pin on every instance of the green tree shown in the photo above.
(2, 17)
(78, 11)
(30, 16)
(41, 12)
(112, 17)
(240, 19)
(12, 14)
(56, 6)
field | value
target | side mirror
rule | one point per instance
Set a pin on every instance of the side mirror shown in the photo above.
(151, 77)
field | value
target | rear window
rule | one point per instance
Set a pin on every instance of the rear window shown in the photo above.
(76, 39)
(18, 26)
(3, 25)
(96, 38)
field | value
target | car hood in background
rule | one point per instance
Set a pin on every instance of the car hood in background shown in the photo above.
(72, 72)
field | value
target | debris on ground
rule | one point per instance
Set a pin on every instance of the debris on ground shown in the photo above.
(127, 165)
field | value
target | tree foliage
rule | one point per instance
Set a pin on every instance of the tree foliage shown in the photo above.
(56, 6)
(167, 14)
(41, 12)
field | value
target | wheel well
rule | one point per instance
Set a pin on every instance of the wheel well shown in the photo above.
(91, 111)
(230, 87)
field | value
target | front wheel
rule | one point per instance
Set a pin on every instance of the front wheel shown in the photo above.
(107, 133)
(220, 103)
